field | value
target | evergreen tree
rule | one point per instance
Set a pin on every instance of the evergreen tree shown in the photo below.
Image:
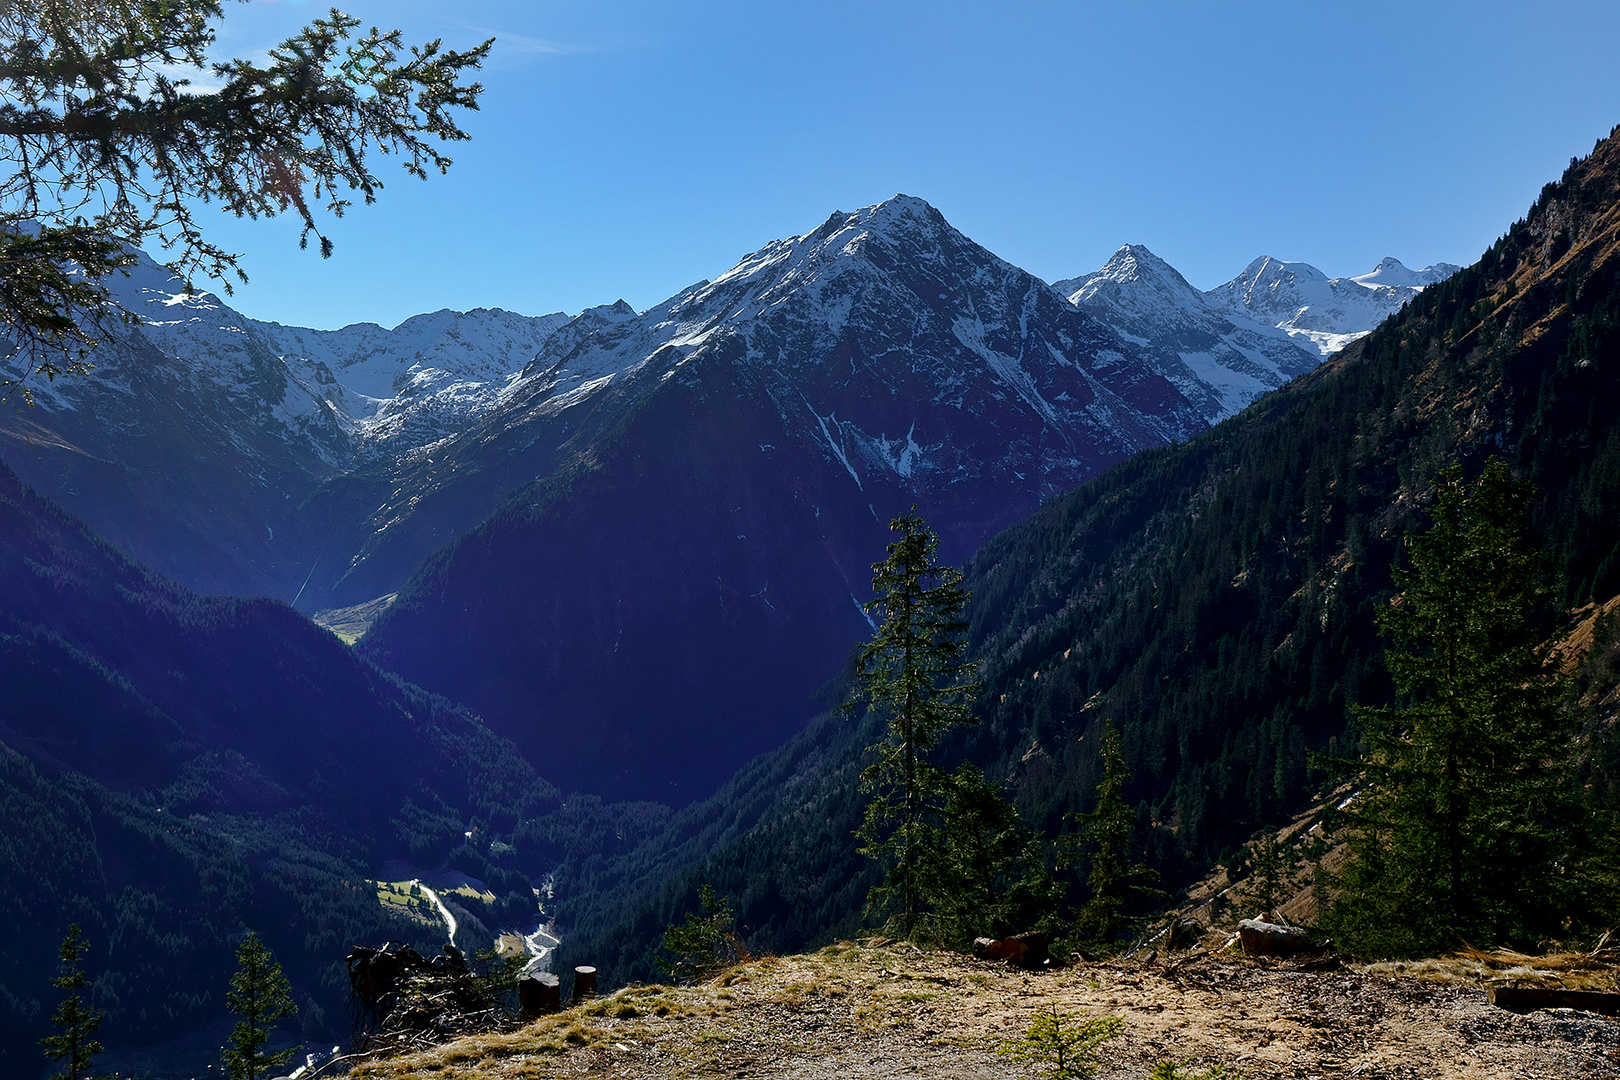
(499, 974)
(1269, 867)
(74, 1045)
(1115, 882)
(915, 673)
(260, 995)
(1062, 1046)
(706, 943)
(1463, 829)
(105, 147)
(990, 876)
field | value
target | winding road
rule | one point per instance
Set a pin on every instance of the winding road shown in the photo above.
(449, 919)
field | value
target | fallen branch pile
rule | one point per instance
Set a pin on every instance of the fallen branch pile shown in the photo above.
(405, 1002)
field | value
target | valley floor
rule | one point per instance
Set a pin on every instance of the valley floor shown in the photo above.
(869, 1010)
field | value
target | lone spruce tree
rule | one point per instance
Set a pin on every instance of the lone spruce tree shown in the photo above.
(1116, 883)
(1062, 1046)
(706, 943)
(915, 673)
(73, 1045)
(1462, 830)
(260, 995)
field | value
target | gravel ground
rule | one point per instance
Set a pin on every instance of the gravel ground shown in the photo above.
(859, 1011)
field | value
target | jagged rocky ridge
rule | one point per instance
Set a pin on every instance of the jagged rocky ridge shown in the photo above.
(197, 440)
(1226, 347)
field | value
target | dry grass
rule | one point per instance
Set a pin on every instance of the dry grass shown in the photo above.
(1504, 967)
(875, 1009)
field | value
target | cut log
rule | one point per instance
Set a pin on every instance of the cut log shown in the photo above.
(1030, 950)
(550, 992)
(1528, 999)
(1184, 934)
(1262, 938)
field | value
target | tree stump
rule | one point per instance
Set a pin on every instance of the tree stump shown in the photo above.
(1184, 934)
(538, 995)
(584, 983)
(1029, 950)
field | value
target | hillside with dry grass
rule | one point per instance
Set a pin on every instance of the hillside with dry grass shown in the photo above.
(882, 1009)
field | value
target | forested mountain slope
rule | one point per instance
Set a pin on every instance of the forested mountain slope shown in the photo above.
(1216, 598)
(175, 769)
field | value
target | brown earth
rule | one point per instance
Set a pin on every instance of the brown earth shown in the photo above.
(886, 1010)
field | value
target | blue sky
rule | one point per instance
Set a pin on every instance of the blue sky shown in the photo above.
(627, 149)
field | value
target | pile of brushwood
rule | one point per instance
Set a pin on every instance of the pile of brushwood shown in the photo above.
(403, 1001)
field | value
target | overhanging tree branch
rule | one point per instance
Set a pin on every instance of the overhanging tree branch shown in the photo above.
(105, 148)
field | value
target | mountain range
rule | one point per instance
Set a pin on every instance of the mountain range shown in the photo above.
(1224, 348)
(661, 520)
(244, 456)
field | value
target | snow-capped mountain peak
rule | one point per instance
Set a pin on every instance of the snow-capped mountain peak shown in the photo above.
(1137, 277)
(898, 212)
(1329, 313)
(1218, 359)
(1271, 284)
(840, 318)
(1390, 271)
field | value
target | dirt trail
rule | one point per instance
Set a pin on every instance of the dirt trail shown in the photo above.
(855, 1011)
